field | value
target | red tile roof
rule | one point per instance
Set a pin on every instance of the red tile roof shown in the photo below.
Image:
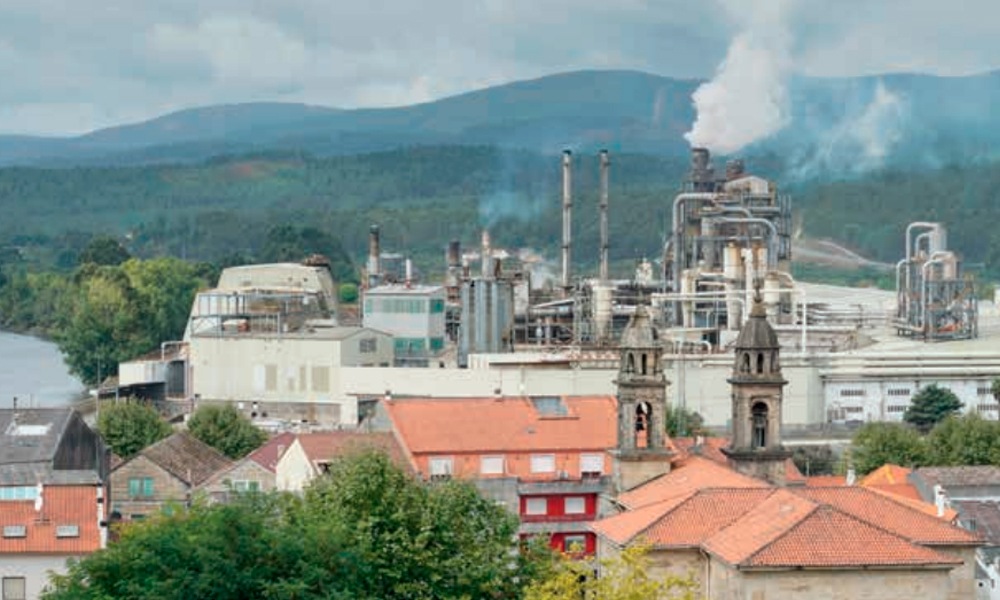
(895, 515)
(711, 448)
(268, 455)
(887, 474)
(689, 475)
(758, 528)
(508, 424)
(61, 505)
(328, 445)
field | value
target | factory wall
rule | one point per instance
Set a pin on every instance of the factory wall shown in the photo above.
(861, 398)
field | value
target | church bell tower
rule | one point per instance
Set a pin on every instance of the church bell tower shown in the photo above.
(757, 390)
(642, 452)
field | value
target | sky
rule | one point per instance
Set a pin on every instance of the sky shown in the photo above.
(72, 66)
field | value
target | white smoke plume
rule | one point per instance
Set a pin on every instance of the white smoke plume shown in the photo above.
(747, 100)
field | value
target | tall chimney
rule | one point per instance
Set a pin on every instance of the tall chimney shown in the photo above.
(454, 260)
(374, 256)
(567, 215)
(605, 166)
(486, 258)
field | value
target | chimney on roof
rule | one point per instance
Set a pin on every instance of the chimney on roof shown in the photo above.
(852, 477)
(940, 500)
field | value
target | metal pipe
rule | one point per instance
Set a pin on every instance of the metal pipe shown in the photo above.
(567, 214)
(374, 256)
(605, 167)
(923, 286)
(486, 252)
(676, 234)
(909, 245)
(772, 253)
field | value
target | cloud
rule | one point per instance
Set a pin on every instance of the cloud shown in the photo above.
(69, 66)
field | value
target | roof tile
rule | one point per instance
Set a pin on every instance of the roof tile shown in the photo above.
(690, 475)
(186, 458)
(61, 505)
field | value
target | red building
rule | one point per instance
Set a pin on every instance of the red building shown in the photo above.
(544, 457)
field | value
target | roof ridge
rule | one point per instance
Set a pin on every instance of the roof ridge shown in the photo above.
(816, 506)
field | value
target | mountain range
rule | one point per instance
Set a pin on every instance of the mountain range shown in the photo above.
(833, 125)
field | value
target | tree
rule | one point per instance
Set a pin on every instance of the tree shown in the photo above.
(103, 250)
(626, 576)
(966, 440)
(930, 406)
(876, 444)
(348, 293)
(995, 388)
(682, 422)
(225, 429)
(128, 427)
(288, 243)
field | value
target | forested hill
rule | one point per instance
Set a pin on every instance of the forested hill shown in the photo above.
(835, 126)
(425, 196)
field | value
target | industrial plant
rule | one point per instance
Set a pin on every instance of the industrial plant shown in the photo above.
(272, 339)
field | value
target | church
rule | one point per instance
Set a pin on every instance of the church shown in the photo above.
(741, 521)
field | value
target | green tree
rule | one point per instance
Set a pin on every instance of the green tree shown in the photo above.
(348, 293)
(288, 243)
(103, 250)
(682, 422)
(627, 576)
(128, 427)
(966, 440)
(930, 406)
(225, 429)
(876, 444)
(995, 388)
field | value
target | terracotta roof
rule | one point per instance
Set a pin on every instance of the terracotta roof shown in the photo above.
(887, 474)
(780, 511)
(61, 506)
(186, 458)
(508, 424)
(690, 475)
(826, 480)
(824, 537)
(331, 444)
(895, 515)
(711, 448)
(624, 527)
(704, 514)
(268, 455)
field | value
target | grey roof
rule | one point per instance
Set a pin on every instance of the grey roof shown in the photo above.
(640, 332)
(33, 473)
(757, 332)
(185, 457)
(982, 516)
(31, 435)
(959, 476)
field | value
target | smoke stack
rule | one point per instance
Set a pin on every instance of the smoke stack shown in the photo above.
(454, 253)
(374, 253)
(700, 177)
(567, 208)
(605, 167)
(409, 273)
(486, 262)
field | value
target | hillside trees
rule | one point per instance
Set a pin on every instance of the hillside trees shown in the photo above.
(103, 250)
(290, 243)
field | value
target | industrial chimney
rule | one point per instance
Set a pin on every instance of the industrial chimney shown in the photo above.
(605, 166)
(567, 214)
(486, 258)
(374, 254)
(701, 176)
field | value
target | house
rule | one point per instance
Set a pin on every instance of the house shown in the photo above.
(544, 457)
(749, 528)
(973, 495)
(255, 472)
(52, 496)
(163, 473)
(310, 454)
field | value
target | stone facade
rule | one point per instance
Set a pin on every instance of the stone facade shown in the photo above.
(246, 475)
(164, 488)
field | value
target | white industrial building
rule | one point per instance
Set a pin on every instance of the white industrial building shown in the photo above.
(413, 314)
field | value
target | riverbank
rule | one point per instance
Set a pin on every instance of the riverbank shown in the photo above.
(33, 371)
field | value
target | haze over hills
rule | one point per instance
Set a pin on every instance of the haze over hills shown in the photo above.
(835, 125)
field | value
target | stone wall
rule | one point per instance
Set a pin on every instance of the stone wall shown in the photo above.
(166, 488)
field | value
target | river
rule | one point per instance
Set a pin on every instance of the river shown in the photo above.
(33, 371)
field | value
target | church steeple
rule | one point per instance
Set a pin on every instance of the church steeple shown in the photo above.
(642, 451)
(757, 395)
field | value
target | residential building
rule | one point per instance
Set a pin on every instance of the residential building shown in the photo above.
(52, 496)
(254, 472)
(162, 474)
(310, 454)
(415, 317)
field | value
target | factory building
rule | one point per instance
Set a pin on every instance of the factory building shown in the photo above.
(414, 315)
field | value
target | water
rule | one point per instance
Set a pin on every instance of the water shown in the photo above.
(33, 370)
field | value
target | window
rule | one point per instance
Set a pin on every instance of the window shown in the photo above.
(852, 393)
(18, 493)
(67, 531)
(15, 531)
(437, 344)
(140, 487)
(243, 485)
(491, 465)
(898, 392)
(575, 505)
(368, 345)
(321, 379)
(536, 506)
(759, 415)
(896, 408)
(591, 464)
(575, 543)
(987, 407)
(14, 588)
(543, 463)
(984, 391)
(437, 305)
(271, 378)
(441, 467)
